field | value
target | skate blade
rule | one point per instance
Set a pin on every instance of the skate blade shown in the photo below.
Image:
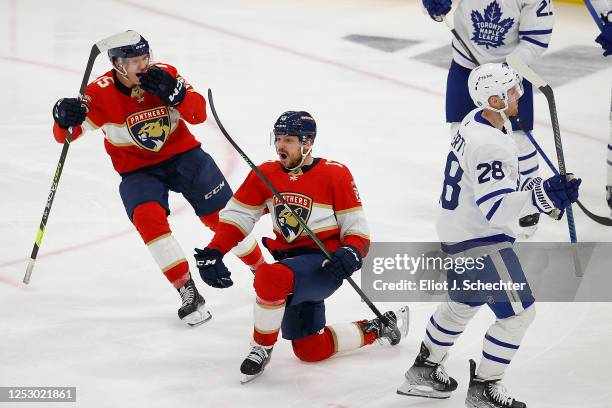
(423, 391)
(401, 326)
(248, 378)
(198, 317)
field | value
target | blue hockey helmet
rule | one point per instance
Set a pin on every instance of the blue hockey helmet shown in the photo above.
(296, 123)
(129, 51)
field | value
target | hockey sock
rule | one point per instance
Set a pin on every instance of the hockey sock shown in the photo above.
(609, 161)
(502, 342)
(316, 347)
(445, 326)
(151, 222)
(247, 250)
(273, 283)
(350, 336)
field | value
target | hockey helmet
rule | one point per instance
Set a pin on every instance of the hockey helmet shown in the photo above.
(296, 123)
(493, 79)
(129, 51)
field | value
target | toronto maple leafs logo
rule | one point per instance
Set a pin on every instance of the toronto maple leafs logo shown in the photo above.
(489, 29)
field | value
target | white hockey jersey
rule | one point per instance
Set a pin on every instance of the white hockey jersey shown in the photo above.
(604, 9)
(494, 29)
(481, 196)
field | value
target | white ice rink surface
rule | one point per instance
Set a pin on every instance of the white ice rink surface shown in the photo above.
(99, 315)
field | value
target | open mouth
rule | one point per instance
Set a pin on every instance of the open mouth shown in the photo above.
(283, 156)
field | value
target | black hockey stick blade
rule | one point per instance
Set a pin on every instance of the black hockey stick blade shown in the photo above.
(597, 218)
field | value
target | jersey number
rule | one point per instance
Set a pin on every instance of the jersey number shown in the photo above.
(541, 12)
(452, 176)
(494, 168)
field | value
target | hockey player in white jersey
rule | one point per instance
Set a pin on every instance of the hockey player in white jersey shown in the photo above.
(494, 29)
(482, 197)
(604, 12)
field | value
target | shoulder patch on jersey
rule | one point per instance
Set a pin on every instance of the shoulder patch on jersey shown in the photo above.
(149, 128)
(489, 28)
(301, 204)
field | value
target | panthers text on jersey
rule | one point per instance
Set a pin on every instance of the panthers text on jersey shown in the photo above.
(139, 129)
(482, 197)
(494, 29)
(322, 194)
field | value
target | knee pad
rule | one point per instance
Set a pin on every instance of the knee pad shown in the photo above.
(520, 322)
(273, 281)
(316, 347)
(456, 312)
(151, 221)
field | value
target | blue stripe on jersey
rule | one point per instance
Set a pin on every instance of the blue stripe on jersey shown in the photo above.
(609, 147)
(493, 358)
(535, 32)
(439, 343)
(536, 42)
(526, 172)
(475, 243)
(459, 52)
(493, 209)
(494, 194)
(500, 343)
(442, 329)
(529, 156)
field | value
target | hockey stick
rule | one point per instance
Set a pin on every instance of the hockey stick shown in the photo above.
(596, 17)
(127, 38)
(282, 200)
(597, 218)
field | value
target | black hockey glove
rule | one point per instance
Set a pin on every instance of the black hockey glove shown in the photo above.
(69, 112)
(158, 82)
(212, 269)
(344, 261)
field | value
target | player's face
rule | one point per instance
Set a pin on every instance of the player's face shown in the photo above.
(288, 149)
(134, 66)
(513, 98)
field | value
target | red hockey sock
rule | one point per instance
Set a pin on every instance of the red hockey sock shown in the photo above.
(272, 285)
(316, 347)
(151, 222)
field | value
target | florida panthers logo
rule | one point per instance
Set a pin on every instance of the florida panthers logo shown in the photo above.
(285, 221)
(149, 129)
(489, 29)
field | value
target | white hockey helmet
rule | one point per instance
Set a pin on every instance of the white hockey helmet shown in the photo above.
(493, 79)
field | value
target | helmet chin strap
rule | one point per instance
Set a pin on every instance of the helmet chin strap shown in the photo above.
(304, 155)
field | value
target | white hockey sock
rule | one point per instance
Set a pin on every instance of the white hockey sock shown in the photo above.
(268, 317)
(347, 336)
(501, 343)
(609, 162)
(445, 326)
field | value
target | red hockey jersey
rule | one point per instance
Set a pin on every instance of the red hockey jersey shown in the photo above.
(323, 194)
(139, 129)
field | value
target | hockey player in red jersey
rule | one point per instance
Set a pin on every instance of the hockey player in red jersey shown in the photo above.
(142, 108)
(291, 292)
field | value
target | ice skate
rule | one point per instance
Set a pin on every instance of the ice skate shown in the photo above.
(255, 363)
(394, 332)
(488, 394)
(193, 311)
(427, 379)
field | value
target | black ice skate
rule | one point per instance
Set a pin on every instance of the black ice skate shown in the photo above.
(193, 310)
(488, 394)
(255, 363)
(427, 379)
(394, 332)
